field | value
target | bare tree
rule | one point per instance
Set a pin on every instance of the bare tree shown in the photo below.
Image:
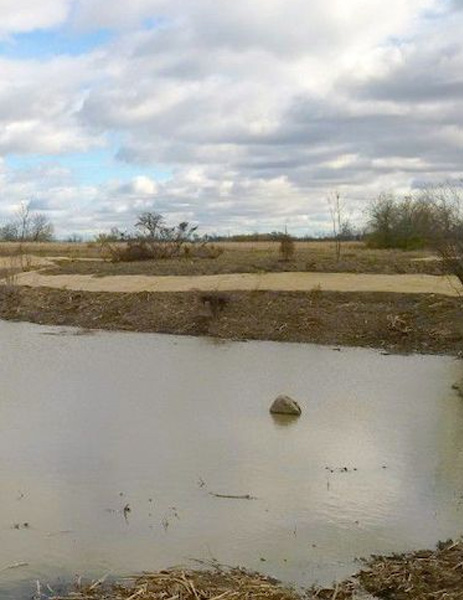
(336, 209)
(27, 226)
(9, 232)
(22, 218)
(40, 228)
(150, 224)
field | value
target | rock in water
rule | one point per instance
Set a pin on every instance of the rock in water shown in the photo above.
(284, 405)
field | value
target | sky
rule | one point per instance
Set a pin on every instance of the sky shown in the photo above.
(237, 115)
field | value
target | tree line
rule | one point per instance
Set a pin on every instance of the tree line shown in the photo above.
(429, 217)
(426, 218)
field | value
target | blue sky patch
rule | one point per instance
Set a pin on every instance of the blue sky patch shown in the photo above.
(49, 43)
(90, 168)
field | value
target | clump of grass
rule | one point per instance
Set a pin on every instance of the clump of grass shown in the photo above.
(315, 294)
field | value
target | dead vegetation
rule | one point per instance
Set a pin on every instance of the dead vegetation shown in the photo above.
(393, 322)
(423, 575)
(287, 247)
(64, 249)
(245, 257)
(178, 584)
(152, 239)
(140, 250)
(233, 257)
(214, 302)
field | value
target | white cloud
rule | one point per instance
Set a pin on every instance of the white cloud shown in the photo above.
(39, 105)
(258, 109)
(21, 16)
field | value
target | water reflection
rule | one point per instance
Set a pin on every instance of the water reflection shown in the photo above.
(284, 420)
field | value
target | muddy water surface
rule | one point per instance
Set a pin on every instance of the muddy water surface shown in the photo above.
(91, 425)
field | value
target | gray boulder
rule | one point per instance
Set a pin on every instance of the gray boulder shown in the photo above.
(284, 405)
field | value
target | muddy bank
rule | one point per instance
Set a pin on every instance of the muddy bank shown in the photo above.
(391, 321)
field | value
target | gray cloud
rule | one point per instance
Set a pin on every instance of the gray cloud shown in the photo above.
(258, 110)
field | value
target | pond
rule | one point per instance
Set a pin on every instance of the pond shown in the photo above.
(113, 447)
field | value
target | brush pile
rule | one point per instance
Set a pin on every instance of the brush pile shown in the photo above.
(176, 584)
(422, 575)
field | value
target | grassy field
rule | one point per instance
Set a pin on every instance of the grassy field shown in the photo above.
(237, 257)
(81, 250)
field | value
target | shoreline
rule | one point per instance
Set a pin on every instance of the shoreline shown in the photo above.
(394, 323)
(418, 575)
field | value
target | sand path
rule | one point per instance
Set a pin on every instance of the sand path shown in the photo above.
(290, 281)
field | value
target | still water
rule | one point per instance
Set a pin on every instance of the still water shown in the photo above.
(93, 424)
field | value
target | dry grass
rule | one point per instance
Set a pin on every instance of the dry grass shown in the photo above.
(422, 575)
(65, 249)
(393, 322)
(243, 257)
(178, 584)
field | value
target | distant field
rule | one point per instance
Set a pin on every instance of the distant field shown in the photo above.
(92, 248)
(84, 250)
(238, 257)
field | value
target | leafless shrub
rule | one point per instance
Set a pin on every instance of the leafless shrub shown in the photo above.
(154, 240)
(451, 253)
(446, 233)
(287, 247)
(429, 217)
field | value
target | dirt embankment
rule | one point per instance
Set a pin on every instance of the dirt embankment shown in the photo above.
(408, 312)
(394, 322)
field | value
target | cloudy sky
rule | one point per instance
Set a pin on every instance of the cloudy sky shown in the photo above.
(239, 115)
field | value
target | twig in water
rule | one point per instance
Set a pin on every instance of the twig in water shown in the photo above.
(234, 497)
(15, 565)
